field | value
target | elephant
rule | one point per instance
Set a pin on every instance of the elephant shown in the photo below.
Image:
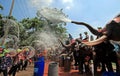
(68, 47)
(81, 54)
(110, 32)
(103, 55)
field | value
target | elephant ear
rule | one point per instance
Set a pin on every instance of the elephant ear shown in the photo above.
(97, 41)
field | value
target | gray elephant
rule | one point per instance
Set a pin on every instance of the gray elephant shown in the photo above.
(110, 32)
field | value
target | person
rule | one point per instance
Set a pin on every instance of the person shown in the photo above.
(3, 65)
(20, 61)
(99, 29)
(81, 59)
(5, 61)
(9, 60)
(86, 37)
(76, 54)
(14, 67)
(25, 64)
(91, 38)
(80, 36)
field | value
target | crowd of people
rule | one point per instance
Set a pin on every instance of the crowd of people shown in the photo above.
(101, 55)
(11, 63)
(82, 54)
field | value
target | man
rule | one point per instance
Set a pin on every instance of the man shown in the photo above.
(80, 36)
(86, 37)
(76, 54)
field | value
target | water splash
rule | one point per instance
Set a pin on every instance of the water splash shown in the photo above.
(53, 14)
(46, 39)
(7, 25)
(6, 40)
(31, 51)
(12, 51)
(11, 41)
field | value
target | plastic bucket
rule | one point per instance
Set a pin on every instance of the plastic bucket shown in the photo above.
(67, 64)
(41, 58)
(39, 68)
(53, 69)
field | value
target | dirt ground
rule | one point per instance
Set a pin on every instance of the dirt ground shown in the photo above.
(30, 70)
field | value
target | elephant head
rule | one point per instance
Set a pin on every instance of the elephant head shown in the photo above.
(110, 32)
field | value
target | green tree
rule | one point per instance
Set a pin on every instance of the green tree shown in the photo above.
(1, 7)
(35, 25)
(31, 26)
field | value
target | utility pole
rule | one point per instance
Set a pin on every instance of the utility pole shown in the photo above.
(10, 13)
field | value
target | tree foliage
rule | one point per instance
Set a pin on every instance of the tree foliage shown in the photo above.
(1, 7)
(34, 25)
(27, 29)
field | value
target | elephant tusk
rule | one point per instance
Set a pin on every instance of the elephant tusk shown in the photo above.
(97, 41)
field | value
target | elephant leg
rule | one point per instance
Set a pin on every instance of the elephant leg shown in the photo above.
(80, 65)
(87, 69)
(96, 62)
(109, 66)
(103, 67)
(117, 67)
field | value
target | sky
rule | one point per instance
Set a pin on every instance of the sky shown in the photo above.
(94, 12)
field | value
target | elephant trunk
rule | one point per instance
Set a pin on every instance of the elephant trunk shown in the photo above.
(66, 46)
(92, 30)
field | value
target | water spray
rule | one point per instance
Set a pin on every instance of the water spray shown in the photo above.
(53, 14)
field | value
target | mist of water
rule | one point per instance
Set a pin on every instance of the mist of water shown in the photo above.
(53, 14)
(31, 51)
(7, 25)
(47, 39)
